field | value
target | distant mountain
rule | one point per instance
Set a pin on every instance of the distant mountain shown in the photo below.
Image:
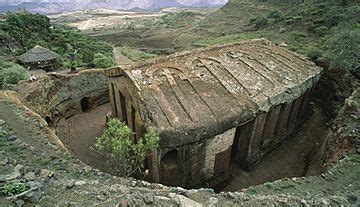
(59, 6)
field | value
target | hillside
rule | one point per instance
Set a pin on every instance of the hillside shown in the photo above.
(295, 22)
(21, 31)
(328, 32)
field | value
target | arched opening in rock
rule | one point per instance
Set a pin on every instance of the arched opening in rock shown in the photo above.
(170, 167)
(49, 121)
(85, 106)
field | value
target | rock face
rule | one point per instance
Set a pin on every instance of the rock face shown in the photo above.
(211, 105)
(62, 95)
(339, 186)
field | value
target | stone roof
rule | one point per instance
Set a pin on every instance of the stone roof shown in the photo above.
(204, 92)
(38, 54)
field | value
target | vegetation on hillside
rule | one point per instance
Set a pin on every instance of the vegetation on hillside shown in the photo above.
(11, 73)
(101, 61)
(136, 55)
(21, 31)
(319, 29)
(124, 154)
(175, 20)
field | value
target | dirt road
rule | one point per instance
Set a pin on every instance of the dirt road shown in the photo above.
(121, 59)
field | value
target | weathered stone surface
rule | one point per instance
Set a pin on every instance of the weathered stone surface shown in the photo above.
(11, 138)
(34, 185)
(18, 170)
(45, 173)
(80, 182)
(218, 144)
(208, 91)
(149, 198)
(70, 183)
(212, 202)
(183, 201)
(307, 191)
(59, 95)
(30, 176)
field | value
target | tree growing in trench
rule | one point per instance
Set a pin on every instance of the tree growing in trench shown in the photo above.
(117, 145)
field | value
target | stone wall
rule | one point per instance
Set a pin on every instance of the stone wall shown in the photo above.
(268, 130)
(213, 149)
(207, 157)
(208, 160)
(55, 96)
(125, 104)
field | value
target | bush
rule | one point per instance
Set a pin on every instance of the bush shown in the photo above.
(11, 73)
(101, 61)
(293, 19)
(259, 22)
(276, 15)
(322, 30)
(313, 53)
(126, 156)
(14, 188)
(21, 31)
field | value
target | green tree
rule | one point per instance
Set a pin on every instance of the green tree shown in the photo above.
(101, 61)
(117, 145)
(21, 31)
(11, 73)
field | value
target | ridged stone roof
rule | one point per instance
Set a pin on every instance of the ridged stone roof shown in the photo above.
(38, 54)
(203, 92)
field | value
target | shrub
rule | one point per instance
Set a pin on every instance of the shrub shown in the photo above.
(101, 61)
(322, 30)
(276, 15)
(11, 73)
(14, 188)
(313, 53)
(343, 48)
(117, 145)
(259, 22)
(21, 31)
(293, 19)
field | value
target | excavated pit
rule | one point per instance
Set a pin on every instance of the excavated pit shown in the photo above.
(76, 105)
(294, 158)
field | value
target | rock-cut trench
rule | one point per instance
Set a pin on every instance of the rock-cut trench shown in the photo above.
(294, 158)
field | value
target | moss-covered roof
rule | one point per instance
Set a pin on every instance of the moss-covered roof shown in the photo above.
(38, 54)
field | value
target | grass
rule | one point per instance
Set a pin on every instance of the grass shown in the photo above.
(135, 54)
(305, 26)
(225, 39)
(174, 20)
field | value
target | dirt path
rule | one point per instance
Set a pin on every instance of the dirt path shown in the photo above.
(289, 160)
(121, 59)
(79, 133)
(86, 25)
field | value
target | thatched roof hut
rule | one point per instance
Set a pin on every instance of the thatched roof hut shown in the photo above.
(39, 57)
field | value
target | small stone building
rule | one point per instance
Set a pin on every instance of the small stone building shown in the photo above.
(232, 102)
(40, 58)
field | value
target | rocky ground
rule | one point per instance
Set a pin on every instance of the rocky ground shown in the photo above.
(34, 171)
